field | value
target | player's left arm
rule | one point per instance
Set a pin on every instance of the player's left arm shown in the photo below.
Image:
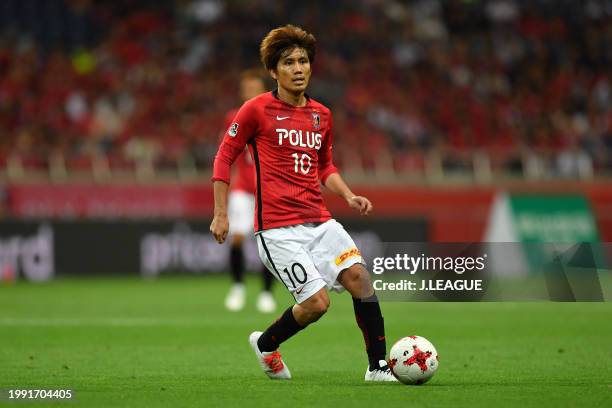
(336, 184)
(330, 177)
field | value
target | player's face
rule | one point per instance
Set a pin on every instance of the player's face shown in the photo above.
(293, 71)
(251, 87)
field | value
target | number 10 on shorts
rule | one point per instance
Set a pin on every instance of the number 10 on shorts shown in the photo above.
(298, 272)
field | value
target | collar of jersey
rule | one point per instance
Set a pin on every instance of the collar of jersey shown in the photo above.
(275, 94)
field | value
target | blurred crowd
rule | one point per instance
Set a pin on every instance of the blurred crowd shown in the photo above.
(518, 83)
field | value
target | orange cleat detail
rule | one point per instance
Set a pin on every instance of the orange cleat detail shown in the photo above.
(274, 361)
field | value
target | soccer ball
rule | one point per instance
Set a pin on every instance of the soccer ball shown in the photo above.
(413, 360)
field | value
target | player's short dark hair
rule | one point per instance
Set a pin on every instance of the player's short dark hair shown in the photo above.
(282, 39)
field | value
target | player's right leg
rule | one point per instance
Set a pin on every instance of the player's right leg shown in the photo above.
(295, 318)
(281, 251)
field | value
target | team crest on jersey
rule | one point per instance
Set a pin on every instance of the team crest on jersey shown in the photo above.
(316, 121)
(233, 130)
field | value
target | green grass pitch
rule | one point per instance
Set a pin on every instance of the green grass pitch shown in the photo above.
(170, 343)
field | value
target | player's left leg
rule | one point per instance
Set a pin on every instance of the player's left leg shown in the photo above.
(356, 280)
(341, 265)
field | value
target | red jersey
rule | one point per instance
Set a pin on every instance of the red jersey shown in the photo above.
(292, 150)
(244, 177)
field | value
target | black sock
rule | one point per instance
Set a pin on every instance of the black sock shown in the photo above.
(237, 263)
(268, 279)
(285, 327)
(372, 325)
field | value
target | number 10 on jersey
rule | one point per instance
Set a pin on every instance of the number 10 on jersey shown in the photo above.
(302, 163)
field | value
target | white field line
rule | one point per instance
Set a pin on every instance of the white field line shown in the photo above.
(98, 321)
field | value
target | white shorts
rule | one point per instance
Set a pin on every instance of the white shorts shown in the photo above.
(241, 209)
(308, 257)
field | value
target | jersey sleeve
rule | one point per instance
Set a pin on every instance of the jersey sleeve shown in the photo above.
(228, 119)
(241, 129)
(326, 164)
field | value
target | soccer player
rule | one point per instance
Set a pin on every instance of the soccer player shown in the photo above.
(241, 205)
(289, 135)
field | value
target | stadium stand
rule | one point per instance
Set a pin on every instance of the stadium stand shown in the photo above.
(422, 89)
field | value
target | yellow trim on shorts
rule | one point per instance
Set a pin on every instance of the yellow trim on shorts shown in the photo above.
(346, 255)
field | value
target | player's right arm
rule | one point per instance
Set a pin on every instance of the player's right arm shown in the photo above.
(220, 223)
(241, 130)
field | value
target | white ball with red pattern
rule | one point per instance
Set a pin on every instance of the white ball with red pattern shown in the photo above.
(413, 360)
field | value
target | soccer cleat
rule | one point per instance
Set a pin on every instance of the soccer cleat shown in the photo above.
(271, 362)
(382, 373)
(235, 299)
(266, 303)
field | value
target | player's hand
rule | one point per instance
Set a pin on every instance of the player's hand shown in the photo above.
(361, 204)
(219, 227)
